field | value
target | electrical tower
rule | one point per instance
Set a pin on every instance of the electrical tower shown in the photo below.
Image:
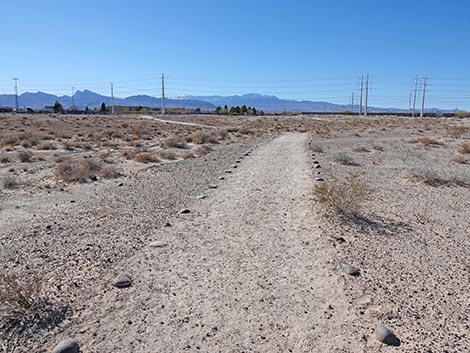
(163, 94)
(112, 98)
(16, 94)
(424, 96)
(367, 95)
(73, 98)
(352, 103)
(414, 99)
(360, 101)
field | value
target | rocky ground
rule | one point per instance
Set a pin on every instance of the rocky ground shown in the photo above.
(256, 265)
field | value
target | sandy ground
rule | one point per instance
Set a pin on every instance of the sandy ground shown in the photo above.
(256, 266)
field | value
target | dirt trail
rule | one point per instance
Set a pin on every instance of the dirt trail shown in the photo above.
(149, 117)
(246, 270)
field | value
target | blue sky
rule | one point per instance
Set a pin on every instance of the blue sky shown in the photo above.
(294, 49)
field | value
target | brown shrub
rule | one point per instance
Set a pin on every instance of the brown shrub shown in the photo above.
(202, 150)
(345, 198)
(84, 170)
(146, 158)
(174, 142)
(427, 141)
(5, 158)
(45, 146)
(464, 148)
(168, 155)
(188, 155)
(25, 156)
(202, 137)
(317, 148)
(359, 149)
(10, 181)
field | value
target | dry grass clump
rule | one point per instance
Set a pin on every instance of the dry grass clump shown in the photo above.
(344, 159)
(427, 141)
(46, 146)
(25, 156)
(344, 199)
(24, 311)
(457, 131)
(5, 158)
(317, 148)
(433, 178)
(464, 148)
(202, 137)
(174, 142)
(84, 170)
(188, 155)
(460, 159)
(359, 149)
(378, 147)
(146, 158)
(10, 181)
(202, 150)
(168, 155)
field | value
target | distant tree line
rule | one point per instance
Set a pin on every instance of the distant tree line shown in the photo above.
(243, 110)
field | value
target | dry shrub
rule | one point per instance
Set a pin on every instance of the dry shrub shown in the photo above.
(456, 131)
(105, 155)
(202, 150)
(433, 178)
(427, 141)
(344, 199)
(24, 311)
(45, 146)
(25, 156)
(202, 137)
(9, 141)
(460, 159)
(10, 181)
(359, 149)
(344, 159)
(84, 170)
(127, 154)
(174, 142)
(168, 155)
(317, 148)
(464, 148)
(69, 146)
(378, 147)
(147, 158)
(188, 155)
(5, 158)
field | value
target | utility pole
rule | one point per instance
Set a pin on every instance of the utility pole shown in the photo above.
(16, 94)
(424, 96)
(414, 99)
(409, 102)
(360, 103)
(112, 98)
(163, 94)
(352, 103)
(73, 98)
(367, 94)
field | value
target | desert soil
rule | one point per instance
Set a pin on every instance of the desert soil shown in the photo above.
(256, 266)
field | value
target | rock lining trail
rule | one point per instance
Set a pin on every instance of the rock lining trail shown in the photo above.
(245, 271)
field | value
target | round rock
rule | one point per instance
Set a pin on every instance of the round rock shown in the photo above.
(122, 280)
(317, 166)
(185, 211)
(316, 162)
(234, 166)
(158, 244)
(228, 171)
(351, 270)
(67, 346)
(319, 178)
(213, 186)
(385, 335)
(201, 197)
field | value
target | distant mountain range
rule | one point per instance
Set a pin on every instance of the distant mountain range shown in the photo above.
(266, 103)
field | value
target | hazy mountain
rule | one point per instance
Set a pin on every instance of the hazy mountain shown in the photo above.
(266, 103)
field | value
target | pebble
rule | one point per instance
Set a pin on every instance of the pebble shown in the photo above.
(167, 224)
(319, 178)
(185, 211)
(234, 166)
(228, 171)
(221, 178)
(351, 270)
(239, 161)
(67, 346)
(317, 166)
(316, 162)
(212, 186)
(201, 197)
(122, 280)
(384, 335)
(158, 244)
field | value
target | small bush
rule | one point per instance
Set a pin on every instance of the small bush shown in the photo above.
(5, 158)
(10, 181)
(427, 141)
(146, 158)
(202, 137)
(464, 148)
(174, 142)
(433, 178)
(168, 155)
(378, 147)
(25, 156)
(188, 155)
(202, 150)
(359, 149)
(46, 146)
(460, 159)
(317, 148)
(345, 198)
(344, 159)
(84, 170)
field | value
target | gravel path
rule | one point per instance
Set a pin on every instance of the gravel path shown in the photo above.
(245, 271)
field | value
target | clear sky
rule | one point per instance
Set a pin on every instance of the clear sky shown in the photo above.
(293, 49)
